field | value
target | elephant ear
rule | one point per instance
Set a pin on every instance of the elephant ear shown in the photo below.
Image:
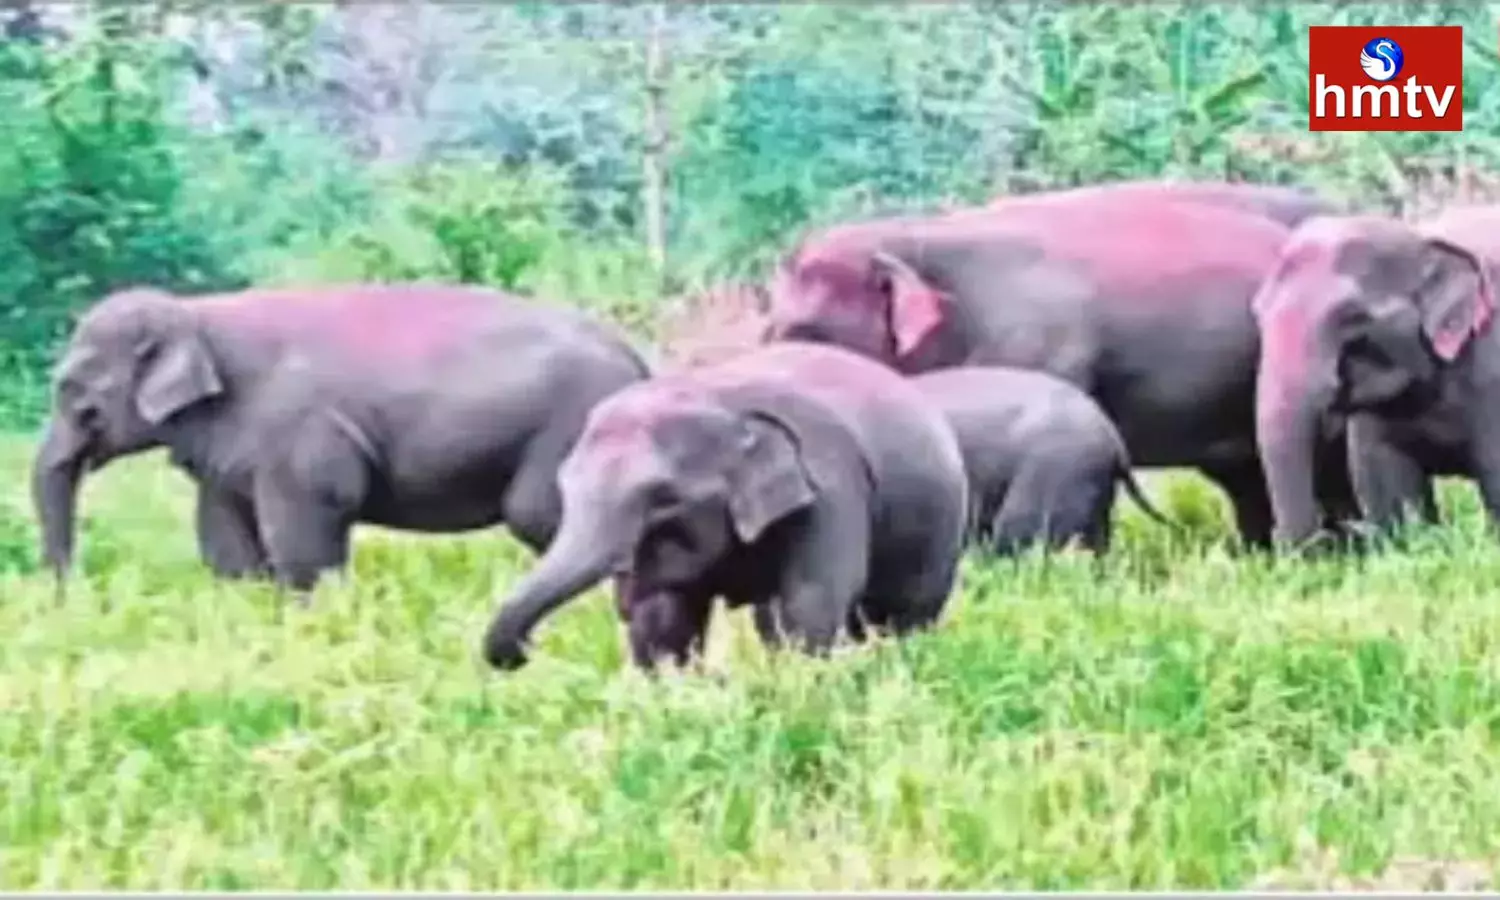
(769, 483)
(915, 308)
(178, 371)
(1456, 297)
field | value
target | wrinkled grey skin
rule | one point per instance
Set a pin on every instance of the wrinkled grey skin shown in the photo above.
(300, 412)
(804, 481)
(1389, 326)
(1143, 304)
(1042, 458)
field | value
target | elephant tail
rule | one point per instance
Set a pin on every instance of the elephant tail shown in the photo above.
(1127, 478)
(1125, 474)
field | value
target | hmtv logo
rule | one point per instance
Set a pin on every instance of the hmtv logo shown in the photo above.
(1407, 78)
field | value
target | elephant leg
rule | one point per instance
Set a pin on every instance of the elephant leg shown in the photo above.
(304, 534)
(900, 609)
(1013, 530)
(1488, 478)
(1099, 534)
(532, 506)
(1087, 510)
(855, 626)
(825, 568)
(668, 624)
(1246, 487)
(227, 538)
(1486, 465)
(1333, 483)
(1049, 504)
(979, 518)
(1389, 482)
(898, 615)
(768, 625)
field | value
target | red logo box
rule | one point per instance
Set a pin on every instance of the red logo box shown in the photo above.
(1349, 89)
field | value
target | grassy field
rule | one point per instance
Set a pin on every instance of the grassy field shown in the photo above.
(1188, 717)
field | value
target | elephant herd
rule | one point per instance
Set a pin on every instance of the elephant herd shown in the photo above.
(990, 373)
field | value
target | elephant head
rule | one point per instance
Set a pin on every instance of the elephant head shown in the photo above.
(135, 360)
(1361, 314)
(661, 484)
(860, 297)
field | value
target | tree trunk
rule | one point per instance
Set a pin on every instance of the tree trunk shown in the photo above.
(653, 161)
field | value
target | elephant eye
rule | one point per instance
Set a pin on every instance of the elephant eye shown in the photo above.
(1367, 348)
(73, 396)
(662, 502)
(674, 534)
(1372, 353)
(76, 402)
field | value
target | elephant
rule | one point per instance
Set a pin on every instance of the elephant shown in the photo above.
(804, 481)
(1042, 458)
(1383, 326)
(301, 411)
(1287, 206)
(1143, 304)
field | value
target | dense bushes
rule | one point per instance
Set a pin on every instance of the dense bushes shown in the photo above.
(521, 137)
(91, 185)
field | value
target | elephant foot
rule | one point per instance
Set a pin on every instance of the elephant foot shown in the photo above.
(1345, 537)
(1359, 537)
(288, 598)
(242, 573)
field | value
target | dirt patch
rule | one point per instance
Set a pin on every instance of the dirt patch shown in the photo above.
(1318, 870)
(712, 324)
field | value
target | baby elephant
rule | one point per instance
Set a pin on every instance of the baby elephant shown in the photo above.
(1041, 456)
(804, 480)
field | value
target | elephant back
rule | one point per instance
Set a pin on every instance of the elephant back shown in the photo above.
(376, 326)
(1288, 206)
(862, 408)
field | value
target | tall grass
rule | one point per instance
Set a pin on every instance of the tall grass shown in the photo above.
(1187, 716)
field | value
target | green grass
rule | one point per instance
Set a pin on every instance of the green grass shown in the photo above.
(1189, 717)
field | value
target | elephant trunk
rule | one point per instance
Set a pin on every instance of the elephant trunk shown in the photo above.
(55, 480)
(584, 552)
(1296, 387)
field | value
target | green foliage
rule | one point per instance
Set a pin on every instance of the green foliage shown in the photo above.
(835, 112)
(526, 172)
(476, 222)
(459, 221)
(88, 178)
